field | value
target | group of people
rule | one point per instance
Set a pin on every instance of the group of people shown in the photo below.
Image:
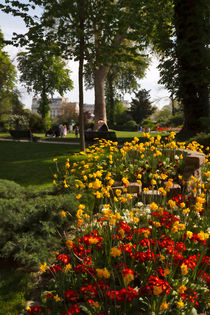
(101, 126)
(61, 130)
(57, 131)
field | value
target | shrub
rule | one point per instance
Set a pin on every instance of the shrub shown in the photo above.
(176, 120)
(17, 121)
(148, 124)
(122, 119)
(130, 125)
(35, 123)
(32, 222)
(10, 189)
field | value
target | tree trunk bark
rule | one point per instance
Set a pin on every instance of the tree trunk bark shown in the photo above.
(100, 106)
(110, 104)
(80, 74)
(191, 50)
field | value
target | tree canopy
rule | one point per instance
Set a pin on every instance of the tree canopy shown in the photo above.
(141, 106)
(7, 72)
(43, 73)
(9, 96)
(107, 26)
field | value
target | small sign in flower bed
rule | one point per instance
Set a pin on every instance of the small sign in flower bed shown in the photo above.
(124, 255)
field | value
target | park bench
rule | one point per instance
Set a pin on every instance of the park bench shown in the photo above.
(23, 134)
(92, 136)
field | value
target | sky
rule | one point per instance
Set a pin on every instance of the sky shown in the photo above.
(159, 95)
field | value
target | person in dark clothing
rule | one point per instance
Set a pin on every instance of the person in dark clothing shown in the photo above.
(102, 126)
(56, 131)
(76, 131)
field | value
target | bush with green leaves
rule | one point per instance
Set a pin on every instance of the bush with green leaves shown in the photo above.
(32, 222)
(130, 125)
(17, 122)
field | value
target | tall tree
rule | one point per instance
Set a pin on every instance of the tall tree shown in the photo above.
(107, 24)
(184, 64)
(191, 20)
(9, 98)
(81, 69)
(123, 78)
(43, 73)
(141, 106)
(7, 72)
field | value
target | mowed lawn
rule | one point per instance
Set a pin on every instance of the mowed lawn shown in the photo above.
(29, 163)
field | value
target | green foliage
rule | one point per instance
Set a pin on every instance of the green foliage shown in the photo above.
(35, 123)
(141, 106)
(9, 101)
(17, 122)
(32, 224)
(176, 120)
(122, 78)
(10, 189)
(7, 71)
(122, 119)
(147, 123)
(121, 31)
(130, 125)
(43, 72)
(165, 118)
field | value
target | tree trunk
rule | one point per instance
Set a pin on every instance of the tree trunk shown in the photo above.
(192, 57)
(100, 106)
(110, 101)
(81, 65)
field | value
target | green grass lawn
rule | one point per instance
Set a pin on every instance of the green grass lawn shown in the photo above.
(29, 163)
(7, 135)
(120, 134)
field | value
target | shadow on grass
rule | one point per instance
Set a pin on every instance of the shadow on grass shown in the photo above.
(14, 286)
(32, 163)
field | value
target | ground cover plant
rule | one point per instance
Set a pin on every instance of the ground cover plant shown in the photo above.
(31, 222)
(124, 255)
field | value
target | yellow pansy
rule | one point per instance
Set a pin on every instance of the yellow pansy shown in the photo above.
(180, 304)
(56, 298)
(184, 269)
(115, 252)
(182, 289)
(157, 290)
(43, 267)
(164, 306)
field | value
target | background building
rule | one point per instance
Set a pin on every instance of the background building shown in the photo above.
(58, 106)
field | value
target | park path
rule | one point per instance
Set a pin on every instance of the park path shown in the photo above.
(40, 141)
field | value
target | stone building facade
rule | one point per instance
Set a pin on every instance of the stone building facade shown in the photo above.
(57, 106)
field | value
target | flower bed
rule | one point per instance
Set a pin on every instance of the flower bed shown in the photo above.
(124, 255)
(168, 129)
